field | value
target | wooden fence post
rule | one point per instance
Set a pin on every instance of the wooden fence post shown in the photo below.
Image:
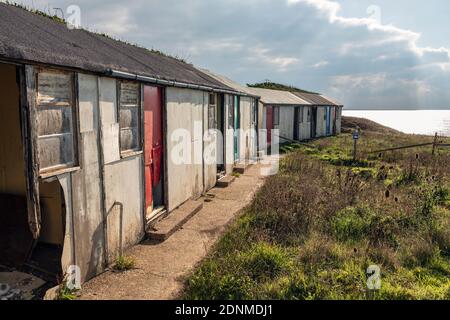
(435, 143)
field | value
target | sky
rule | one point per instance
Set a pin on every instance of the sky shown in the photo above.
(374, 54)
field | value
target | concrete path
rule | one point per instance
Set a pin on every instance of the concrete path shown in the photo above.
(161, 267)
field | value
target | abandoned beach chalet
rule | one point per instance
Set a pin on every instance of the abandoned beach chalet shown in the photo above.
(326, 114)
(90, 142)
(241, 136)
(298, 116)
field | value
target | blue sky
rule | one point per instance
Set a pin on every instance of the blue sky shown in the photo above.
(390, 54)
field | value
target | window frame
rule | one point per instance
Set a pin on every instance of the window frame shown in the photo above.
(74, 124)
(212, 109)
(140, 138)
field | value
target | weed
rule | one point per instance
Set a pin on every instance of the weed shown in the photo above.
(124, 263)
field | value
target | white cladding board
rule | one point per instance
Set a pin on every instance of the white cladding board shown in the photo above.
(124, 205)
(88, 102)
(86, 187)
(109, 119)
(305, 126)
(321, 125)
(184, 145)
(286, 125)
(248, 133)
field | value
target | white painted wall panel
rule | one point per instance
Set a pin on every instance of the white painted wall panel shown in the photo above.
(108, 115)
(184, 145)
(124, 196)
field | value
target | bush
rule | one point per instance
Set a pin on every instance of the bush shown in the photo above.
(124, 263)
(352, 223)
(265, 261)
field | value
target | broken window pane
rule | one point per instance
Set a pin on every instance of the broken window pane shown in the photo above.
(129, 116)
(55, 117)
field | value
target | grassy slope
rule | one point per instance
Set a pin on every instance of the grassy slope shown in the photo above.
(313, 229)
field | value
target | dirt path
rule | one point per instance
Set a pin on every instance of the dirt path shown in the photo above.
(160, 268)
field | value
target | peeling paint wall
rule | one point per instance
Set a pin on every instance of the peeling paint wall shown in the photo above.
(86, 184)
(184, 145)
(90, 237)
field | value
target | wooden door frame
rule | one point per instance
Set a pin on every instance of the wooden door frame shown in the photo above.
(164, 164)
(28, 119)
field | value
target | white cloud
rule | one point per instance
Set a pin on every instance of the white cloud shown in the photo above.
(320, 64)
(116, 20)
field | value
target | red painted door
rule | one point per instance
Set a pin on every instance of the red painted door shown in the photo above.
(269, 123)
(153, 140)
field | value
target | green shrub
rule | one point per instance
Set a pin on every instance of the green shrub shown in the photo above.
(352, 223)
(265, 261)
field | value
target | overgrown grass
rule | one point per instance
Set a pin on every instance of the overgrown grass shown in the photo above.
(312, 230)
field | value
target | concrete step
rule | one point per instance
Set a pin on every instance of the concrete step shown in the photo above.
(225, 181)
(153, 217)
(163, 229)
(241, 168)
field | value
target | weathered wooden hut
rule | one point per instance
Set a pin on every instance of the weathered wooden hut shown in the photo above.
(97, 138)
(278, 109)
(240, 125)
(325, 114)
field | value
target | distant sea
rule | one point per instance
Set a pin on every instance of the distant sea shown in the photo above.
(415, 121)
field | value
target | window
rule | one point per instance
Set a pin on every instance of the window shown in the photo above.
(129, 116)
(276, 116)
(56, 117)
(212, 111)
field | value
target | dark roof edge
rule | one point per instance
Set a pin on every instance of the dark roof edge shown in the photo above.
(170, 83)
